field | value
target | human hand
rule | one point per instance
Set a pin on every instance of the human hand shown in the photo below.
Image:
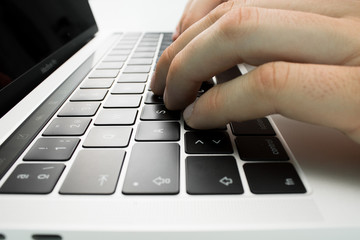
(308, 57)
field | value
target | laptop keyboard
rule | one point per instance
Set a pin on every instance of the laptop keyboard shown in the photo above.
(113, 120)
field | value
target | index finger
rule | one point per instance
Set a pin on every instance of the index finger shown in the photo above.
(257, 36)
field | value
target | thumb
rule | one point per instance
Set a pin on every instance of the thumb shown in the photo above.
(318, 94)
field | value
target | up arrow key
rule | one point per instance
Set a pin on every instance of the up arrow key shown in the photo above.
(199, 142)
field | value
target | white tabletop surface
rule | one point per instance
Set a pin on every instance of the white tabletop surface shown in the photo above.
(137, 15)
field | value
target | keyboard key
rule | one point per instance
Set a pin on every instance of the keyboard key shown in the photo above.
(261, 127)
(94, 172)
(104, 73)
(97, 83)
(158, 112)
(116, 117)
(144, 54)
(153, 169)
(110, 65)
(187, 127)
(83, 109)
(145, 49)
(227, 75)
(108, 137)
(128, 88)
(33, 179)
(133, 77)
(137, 69)
(89, 95)
(68, 126)
(140, 61)
(123, 101)
(207, 142)
(115, 58)
(151, 98)
(125, 52)
(212, 175)
(148, 44)
(158, 131)
(269, 178)
(260, 148)
(52, 149)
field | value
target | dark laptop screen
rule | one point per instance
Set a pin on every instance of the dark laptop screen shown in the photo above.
(36, 37)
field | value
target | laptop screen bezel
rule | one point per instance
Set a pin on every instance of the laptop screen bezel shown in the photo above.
(25, 83)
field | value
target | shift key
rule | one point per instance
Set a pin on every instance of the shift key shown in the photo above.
(94, 172)
(153, 169)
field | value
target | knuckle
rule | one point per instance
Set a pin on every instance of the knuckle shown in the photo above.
(215, 101)
(242, 17)
(272, 78)
(219, 11)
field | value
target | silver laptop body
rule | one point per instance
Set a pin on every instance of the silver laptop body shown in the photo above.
(89, 153)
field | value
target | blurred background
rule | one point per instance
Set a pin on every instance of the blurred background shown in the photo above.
(115, 14)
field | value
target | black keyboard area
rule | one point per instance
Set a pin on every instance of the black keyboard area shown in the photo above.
(113, 127)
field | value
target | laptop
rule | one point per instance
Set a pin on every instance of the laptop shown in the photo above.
(88, 152)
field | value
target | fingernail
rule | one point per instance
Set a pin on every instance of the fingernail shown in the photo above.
(188, 111)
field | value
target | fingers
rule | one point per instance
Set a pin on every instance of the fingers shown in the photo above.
(194, 11)
(319, 94)
(331, 8)
(159, 77)
(248, 35)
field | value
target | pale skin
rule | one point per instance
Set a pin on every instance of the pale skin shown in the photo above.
(307, 53)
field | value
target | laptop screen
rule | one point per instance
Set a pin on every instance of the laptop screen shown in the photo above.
(36, 37)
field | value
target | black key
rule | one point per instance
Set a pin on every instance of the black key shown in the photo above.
(116, 117)
(187, 127)
(123, 101)
(97, 83)
(89, 95)
(261, 127)
(105, 73)
(33, 179)
(212, 175)
(268, 178)
(158, 131)
(207, 142)
(153, 169)
(133, 77)
(260, 148)
(151, 98)
(68, 126)
(83, 109)
(52, 149)
(128, 88)
(94, 172)
(158, 112)
(227, 75)
(108, 137)
(205, 86)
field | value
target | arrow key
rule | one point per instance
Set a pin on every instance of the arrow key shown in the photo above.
(207, 142)
(212, 175)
